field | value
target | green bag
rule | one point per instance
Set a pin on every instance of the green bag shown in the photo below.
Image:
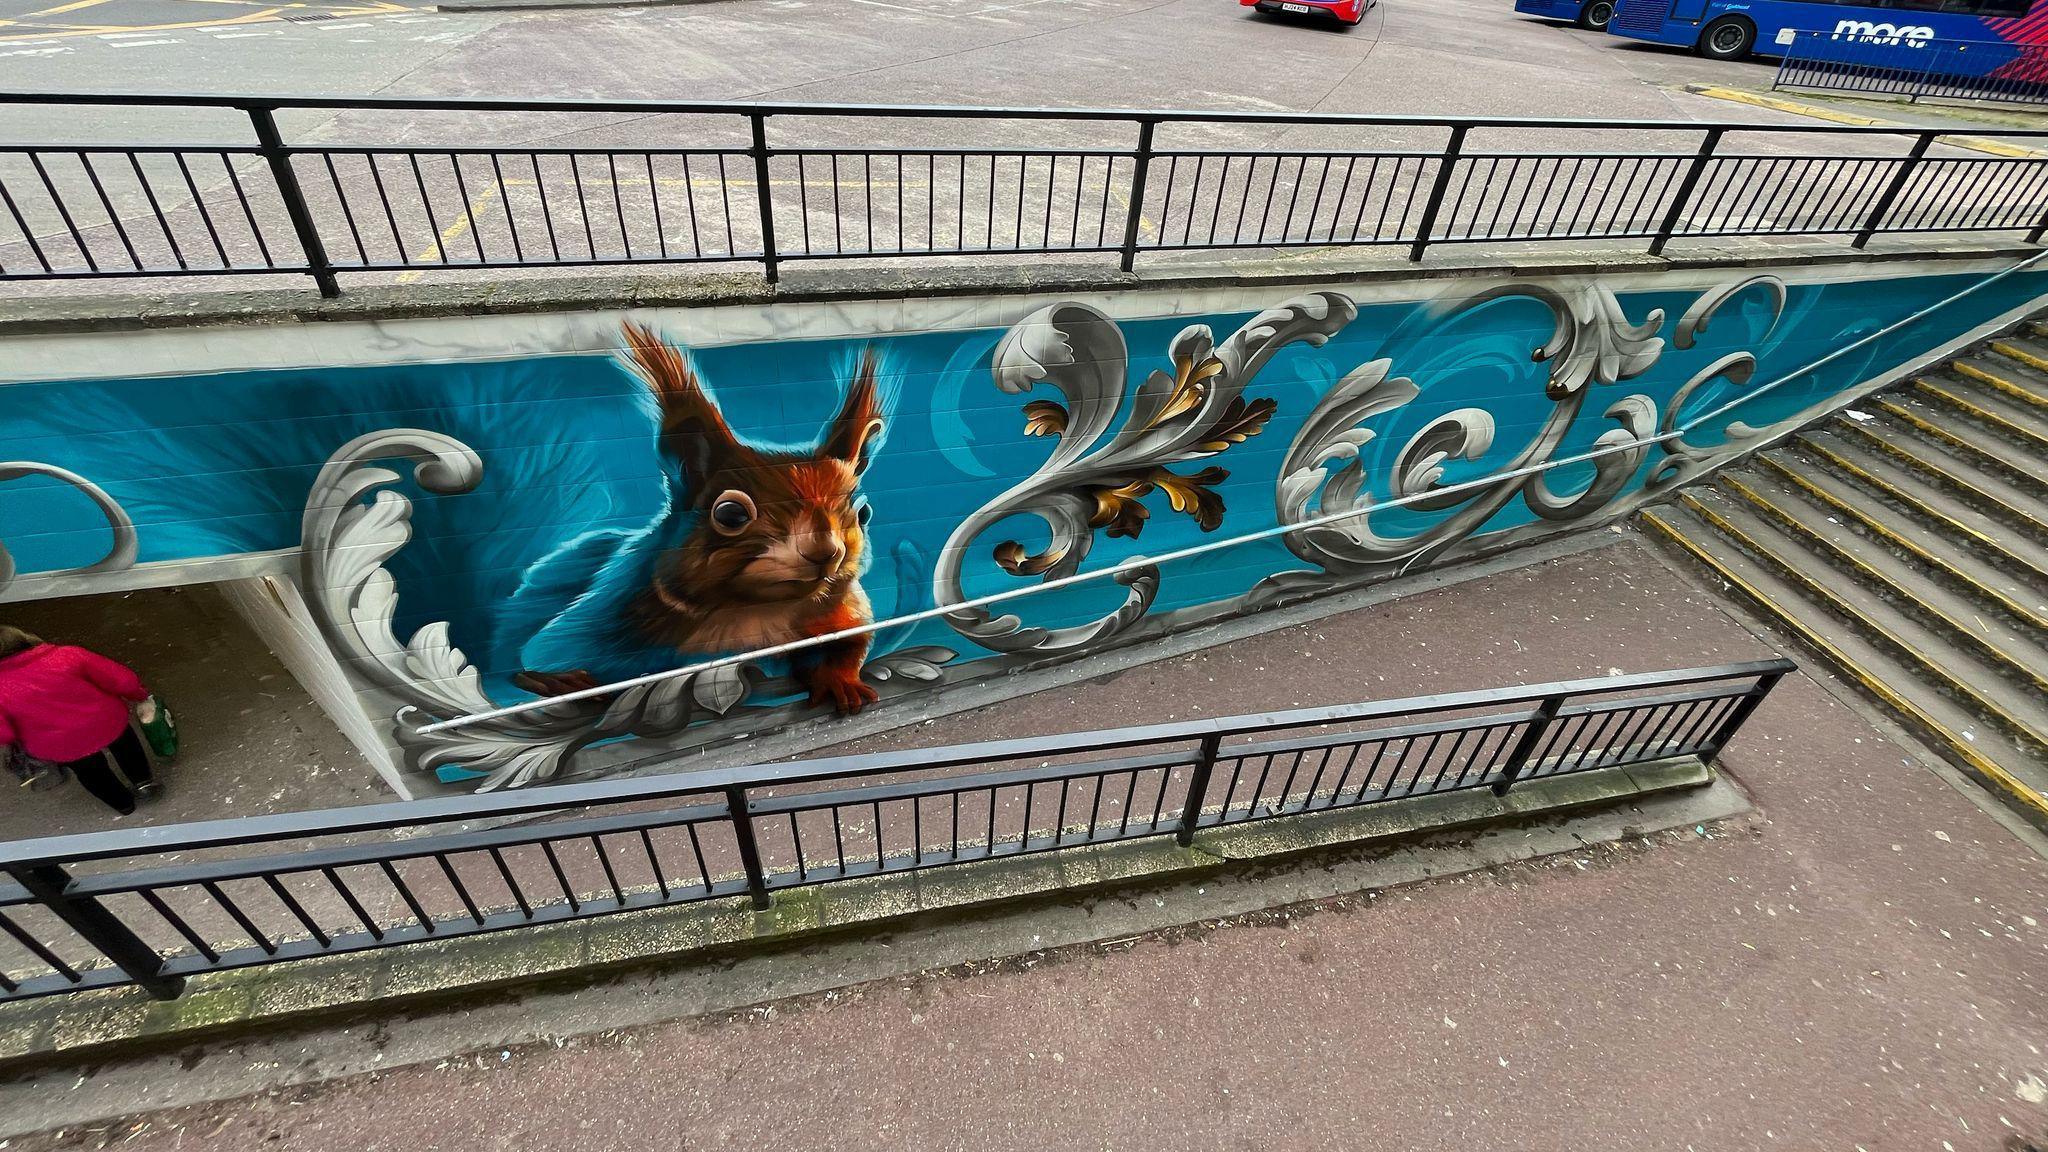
(159, 728)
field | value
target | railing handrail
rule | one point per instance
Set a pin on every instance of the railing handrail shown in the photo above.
(260, 102)
(204, 834)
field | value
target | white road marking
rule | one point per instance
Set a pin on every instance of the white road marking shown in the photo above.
(143, 43)
(241, 35)
(36, 52)
(124, 35)
(338, 27)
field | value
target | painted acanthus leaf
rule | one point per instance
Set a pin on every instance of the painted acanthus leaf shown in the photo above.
(1096, 481)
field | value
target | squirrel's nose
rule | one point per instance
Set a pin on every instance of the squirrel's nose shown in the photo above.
(821, 548)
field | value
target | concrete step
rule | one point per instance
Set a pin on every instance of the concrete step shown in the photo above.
(2021, 601)
(2019, 779)
(1881, 478)
(2026, 469)
(1988, 491)
(1974, 681)
(2018, 367)
(1990, 410)
(2019, 653)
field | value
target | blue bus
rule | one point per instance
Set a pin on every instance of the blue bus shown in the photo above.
(1732, 29)
(1592, 14)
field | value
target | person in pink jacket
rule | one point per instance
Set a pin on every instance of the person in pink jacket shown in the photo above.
(72, 707)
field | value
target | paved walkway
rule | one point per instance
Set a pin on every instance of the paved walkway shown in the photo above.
(1858, 965)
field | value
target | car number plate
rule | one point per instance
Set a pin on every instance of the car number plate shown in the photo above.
(1294, 8)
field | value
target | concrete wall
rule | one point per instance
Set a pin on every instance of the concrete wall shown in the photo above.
(476, 509)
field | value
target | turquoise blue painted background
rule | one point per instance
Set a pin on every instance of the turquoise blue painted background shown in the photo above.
(219, 464)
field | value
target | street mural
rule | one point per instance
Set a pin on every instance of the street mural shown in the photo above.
(475, 533)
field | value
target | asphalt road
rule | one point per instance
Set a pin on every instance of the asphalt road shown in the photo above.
(1423, 56)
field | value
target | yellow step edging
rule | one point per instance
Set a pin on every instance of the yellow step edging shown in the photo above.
(1833, 116)
(1988, 771)
(2031, 360)
(1790, 523)
(1935, 431)
(1879, 528)
(1858, 472)
(1840, 604)
(2012, 388)
(1904, 455)
(1974, 410)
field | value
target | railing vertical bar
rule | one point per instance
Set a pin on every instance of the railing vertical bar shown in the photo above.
(412, 902)
(697, 851)
(64, 212)
(38, 949)
(653, 205)
(348, 214)
(764, 196)
(461, 890)
(750, 852)
(1519, 758)
(611, 877)
(156, 210)
(1198, 789)
(27, 233)
(511, 884)
(292, 905)
(240, 917)
(1344, 777)
(391, 218)
(512, 217)
(419, 180)
(1445, 165)
(470, 207)
(1141, 160)
(547, 849)
(178, 924)
(1871, 225)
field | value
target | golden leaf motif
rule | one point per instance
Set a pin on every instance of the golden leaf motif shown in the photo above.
(1190, 384)
(1014, 560)
(1240, 422)
(1194, 495)
(1120, 510)
(1044, 418)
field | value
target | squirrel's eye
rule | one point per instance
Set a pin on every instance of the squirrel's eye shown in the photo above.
(732, 512)
(862, 513)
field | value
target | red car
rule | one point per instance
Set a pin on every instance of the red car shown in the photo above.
(1349, 11)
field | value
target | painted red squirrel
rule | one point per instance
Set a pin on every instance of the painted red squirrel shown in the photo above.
(756, 547)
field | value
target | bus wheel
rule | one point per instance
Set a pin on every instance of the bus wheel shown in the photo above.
(1729, 38)
(1596, 14)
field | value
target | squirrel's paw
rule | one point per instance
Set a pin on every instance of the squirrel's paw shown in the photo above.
(845, 691)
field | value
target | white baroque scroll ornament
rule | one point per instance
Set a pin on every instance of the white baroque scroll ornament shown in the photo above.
(121, 552)
(1094, 480)
(1592, 343)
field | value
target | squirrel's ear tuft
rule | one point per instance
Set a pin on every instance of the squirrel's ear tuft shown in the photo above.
(693, 431)
(857, 430)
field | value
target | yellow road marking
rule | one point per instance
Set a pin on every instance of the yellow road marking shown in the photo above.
(74, 6)
(438, 252)
(1813, 112)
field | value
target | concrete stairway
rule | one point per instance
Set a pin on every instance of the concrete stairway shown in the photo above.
(1907, 542)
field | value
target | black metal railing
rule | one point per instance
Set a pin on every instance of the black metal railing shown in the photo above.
(1992, 70)
(410, 186)
(152, 906)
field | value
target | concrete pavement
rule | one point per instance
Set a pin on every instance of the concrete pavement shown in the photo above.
(1858, 965)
